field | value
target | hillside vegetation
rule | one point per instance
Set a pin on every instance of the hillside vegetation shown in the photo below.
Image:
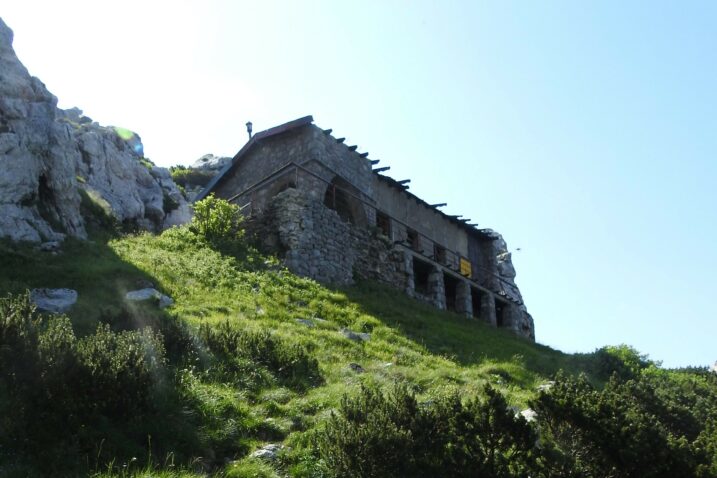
(251, 355)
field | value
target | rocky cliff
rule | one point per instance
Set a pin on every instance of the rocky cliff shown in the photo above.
(51, 160)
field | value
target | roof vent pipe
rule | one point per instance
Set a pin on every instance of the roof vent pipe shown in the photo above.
(248, 128)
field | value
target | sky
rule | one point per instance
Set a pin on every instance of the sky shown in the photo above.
(584, 132)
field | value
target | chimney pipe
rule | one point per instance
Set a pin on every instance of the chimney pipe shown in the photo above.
(248, 128)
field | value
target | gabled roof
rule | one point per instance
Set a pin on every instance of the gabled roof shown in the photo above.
(276, 130)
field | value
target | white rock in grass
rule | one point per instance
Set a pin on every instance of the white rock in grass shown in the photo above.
(56, 301)
(267, 452)
(529, 414)
(147, 294)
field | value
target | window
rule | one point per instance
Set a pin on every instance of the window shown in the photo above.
(439, 254)
(413, 240)
(383, 222)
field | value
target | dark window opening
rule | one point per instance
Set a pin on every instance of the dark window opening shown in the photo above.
(450, 285)
(421, 272)
(499, 312)
(284, 187)
(337, 199)
(383, 222)
(476, 297)
(439, 254)
(341, 196)
(412, 239)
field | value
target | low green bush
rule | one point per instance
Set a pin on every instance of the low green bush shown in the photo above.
(55, 388)
(377, 434)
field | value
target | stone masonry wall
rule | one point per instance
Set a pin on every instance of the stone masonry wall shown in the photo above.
(315, 242)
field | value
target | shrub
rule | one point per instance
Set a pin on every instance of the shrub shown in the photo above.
(56, 389)
(121, 369)
(219, 222)
(622, 430)
(622, 360)
(376, 434)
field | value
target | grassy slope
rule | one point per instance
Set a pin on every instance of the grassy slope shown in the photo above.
(410, 341)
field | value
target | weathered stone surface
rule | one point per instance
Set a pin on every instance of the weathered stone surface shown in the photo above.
(147, 294)
(306, 322)
(47, 155)
(210, 162)
(529, 414)
(268, 452)
(56, 301)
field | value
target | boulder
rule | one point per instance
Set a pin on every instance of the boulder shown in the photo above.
(209, 162)
(306, 322)
(268, 452)
(56, 301)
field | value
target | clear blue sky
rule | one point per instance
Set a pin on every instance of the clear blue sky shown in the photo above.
(585, 132)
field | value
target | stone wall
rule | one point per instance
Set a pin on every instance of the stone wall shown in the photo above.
(315, 242)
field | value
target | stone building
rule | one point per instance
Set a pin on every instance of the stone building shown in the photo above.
(323, 208)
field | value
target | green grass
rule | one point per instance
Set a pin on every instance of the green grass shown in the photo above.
(216, 417)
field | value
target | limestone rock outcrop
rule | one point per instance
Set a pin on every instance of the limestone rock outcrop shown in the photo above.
(50, 159)
(209, 162)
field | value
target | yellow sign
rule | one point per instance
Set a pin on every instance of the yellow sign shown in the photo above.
(466, 269)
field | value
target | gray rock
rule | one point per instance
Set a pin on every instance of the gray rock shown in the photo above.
(529, 414)
(268, 452)
(714, 367)
(355, 336)
(306, 322)
(56, 301)
(211, 162)
(149, 294)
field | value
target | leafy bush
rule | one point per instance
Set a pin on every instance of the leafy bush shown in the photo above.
(376, 434)
(290, 363)
(219, 222)
(622, 360)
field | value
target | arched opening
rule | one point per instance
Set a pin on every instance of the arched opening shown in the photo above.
(340, 196)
